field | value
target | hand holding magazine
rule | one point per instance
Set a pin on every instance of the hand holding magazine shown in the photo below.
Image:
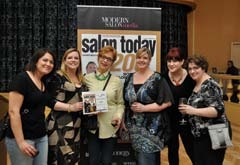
(94, 101)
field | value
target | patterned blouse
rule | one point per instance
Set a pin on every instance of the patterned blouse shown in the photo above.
(63, 127)
(210, 95)
(147, 130)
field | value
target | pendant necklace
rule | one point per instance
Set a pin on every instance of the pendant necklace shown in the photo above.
(177, 82)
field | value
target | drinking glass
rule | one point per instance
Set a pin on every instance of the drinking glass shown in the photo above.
(182, 121)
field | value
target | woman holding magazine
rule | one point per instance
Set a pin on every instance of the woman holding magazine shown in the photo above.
(102, 140)
(63, 127)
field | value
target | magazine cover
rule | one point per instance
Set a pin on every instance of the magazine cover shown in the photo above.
(94, 101)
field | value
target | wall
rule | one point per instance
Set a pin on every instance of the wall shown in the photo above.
(212, 26)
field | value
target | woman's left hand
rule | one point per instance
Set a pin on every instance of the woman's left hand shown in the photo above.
(116, 122)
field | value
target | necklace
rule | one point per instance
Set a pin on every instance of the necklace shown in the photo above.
(101, 77)
(179, 80)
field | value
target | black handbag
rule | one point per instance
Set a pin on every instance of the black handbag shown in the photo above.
(4, 124)
(90, 122)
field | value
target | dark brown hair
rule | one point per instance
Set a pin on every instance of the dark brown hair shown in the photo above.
(31, 66)
(199, 61)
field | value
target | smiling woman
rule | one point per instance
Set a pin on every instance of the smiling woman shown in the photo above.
(205, 107)
(27, 100)
(64, 126)
(181, 85)
(147, 96)
(102, 140)
(26, 139)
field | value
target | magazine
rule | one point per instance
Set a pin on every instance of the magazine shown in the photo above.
(94, 101)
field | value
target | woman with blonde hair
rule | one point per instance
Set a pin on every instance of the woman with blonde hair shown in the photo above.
(147, 97)
(64, 127)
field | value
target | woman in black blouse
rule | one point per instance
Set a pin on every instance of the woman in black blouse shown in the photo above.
(181, 85)
(26, 141)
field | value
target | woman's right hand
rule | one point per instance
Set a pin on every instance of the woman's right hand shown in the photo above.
(28, 149)
(187, 109)
(137, 107)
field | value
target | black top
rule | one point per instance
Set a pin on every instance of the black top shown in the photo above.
(33, 106)
(183, 90)
(233, 71)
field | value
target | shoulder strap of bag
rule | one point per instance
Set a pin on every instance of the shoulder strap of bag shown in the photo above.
(107, 81)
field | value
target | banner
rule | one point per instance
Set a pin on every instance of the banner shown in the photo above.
(125, 28)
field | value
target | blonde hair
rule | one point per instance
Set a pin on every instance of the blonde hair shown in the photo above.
(142, 50)
(63, 69)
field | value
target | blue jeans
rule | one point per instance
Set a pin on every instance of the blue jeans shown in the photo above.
(148, 158)
(17, 157)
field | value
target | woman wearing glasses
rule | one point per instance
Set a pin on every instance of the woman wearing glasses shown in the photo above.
(102, 140)
(205, 106)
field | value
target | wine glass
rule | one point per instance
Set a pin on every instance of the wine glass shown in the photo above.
(182, 100)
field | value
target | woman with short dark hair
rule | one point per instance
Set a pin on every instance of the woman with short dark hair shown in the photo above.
(181, 85)
(205, 106)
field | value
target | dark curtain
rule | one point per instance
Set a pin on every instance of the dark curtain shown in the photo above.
(27, 25)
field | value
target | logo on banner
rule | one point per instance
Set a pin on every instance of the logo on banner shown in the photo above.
(119, 22)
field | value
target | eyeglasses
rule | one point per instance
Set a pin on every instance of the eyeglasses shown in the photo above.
(193, 68)
(108, 59)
